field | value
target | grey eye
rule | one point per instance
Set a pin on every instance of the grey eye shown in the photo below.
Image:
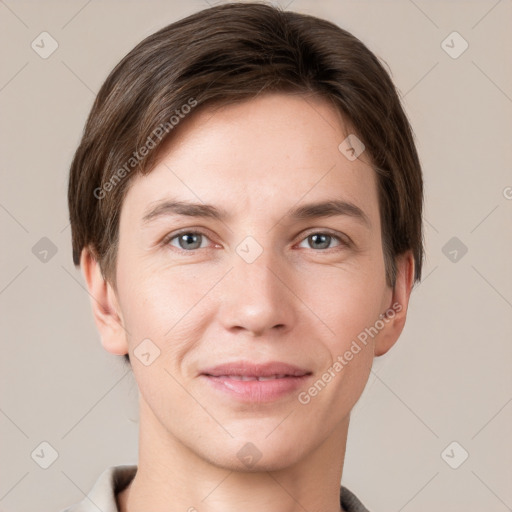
(188, 241)
(321, 240)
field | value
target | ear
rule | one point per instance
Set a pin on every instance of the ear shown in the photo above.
(397, 309)
(105, 307)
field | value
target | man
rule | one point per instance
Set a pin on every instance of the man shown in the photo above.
(246, 209)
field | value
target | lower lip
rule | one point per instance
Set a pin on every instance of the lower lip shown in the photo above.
(256, 390)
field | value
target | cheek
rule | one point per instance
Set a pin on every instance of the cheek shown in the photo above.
(347, 298)
(348, 306)
(164, 304)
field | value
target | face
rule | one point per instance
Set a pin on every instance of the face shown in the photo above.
(275, 273)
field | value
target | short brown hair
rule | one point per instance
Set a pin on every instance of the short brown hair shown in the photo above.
(223, 55)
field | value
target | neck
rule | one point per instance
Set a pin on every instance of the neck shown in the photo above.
(172, 477)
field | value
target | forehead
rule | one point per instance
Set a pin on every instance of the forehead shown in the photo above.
(264, 155)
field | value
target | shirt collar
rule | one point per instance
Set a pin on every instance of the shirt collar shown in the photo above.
(114, 479)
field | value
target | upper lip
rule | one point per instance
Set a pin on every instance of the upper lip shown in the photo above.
(246, 369)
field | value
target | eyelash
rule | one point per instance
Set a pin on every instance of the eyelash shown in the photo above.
(344, 243)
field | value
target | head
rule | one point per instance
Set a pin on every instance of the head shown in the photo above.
(296, 245)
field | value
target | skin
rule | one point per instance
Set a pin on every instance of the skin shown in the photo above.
(299, 302)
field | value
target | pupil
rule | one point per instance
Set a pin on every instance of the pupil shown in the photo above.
(325, 238)
(189, 238)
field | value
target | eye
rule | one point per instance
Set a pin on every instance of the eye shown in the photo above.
(187, 240)
(192, 240)
(322, 240)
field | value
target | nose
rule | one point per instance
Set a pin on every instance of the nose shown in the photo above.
(258, 297)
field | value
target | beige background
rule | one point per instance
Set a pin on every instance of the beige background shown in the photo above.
(449, 377)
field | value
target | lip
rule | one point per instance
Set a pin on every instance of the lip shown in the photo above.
(247, 369)
(239, 380)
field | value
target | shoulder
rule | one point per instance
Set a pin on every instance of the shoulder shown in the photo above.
(102, 495)
(350, 502)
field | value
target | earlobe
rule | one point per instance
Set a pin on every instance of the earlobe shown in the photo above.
(105, 308)
(397, 310)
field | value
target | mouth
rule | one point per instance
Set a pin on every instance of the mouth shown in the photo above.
(250, 377)
(255, 383)
(272, 369)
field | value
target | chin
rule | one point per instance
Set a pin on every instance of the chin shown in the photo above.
(252, 454)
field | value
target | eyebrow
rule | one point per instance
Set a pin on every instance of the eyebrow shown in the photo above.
(329, 208)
